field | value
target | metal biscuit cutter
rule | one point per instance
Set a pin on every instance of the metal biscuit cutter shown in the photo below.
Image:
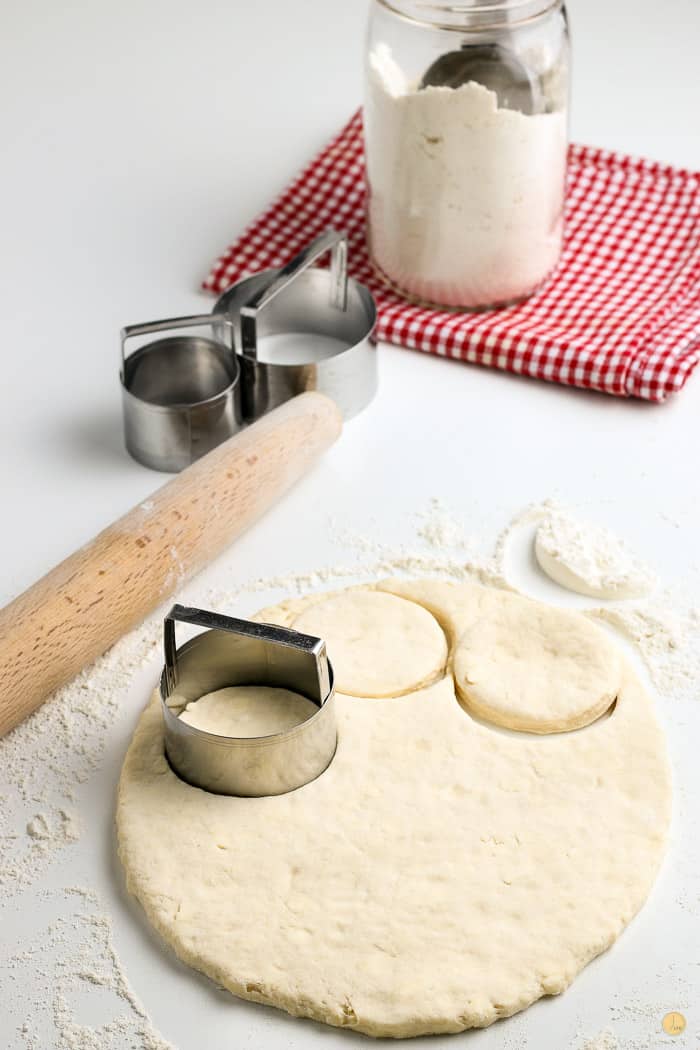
(298, 299)
(183, 395)
(233, 652)
(180, 395)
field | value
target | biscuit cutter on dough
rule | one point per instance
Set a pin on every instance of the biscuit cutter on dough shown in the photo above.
(184, 394)
(233, 652)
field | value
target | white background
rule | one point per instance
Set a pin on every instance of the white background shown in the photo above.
(137, 139)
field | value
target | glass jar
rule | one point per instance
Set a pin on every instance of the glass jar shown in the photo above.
(466, 138)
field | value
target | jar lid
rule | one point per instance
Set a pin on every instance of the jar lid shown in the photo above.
(466, 15)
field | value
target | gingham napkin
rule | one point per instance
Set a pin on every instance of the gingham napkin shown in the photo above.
(621, 314)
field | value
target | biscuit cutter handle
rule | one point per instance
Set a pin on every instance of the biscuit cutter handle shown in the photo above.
(83, 606)
(272, 642)
(330, 241)
(129, 331)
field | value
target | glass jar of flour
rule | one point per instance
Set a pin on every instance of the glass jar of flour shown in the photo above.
(466, 137)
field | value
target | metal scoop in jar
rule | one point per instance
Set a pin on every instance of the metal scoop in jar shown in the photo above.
(493, 66)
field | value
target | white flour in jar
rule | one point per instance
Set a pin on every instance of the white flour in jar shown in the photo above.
(465, 199)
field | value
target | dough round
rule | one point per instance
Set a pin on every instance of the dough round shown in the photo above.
(379, 645)
(528, 666)
(589, 559)
(248, 711)
(439, 875)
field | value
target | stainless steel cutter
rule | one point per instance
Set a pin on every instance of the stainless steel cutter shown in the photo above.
(233, 652)
(182, 395)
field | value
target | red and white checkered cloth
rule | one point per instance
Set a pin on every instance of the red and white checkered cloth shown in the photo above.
(621, 313)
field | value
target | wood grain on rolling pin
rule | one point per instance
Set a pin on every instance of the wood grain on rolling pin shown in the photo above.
(84, 605)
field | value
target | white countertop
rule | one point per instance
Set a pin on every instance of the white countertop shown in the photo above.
(138, 138)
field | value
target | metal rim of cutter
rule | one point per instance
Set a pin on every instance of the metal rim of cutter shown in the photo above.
(325, 302)
(180, 394)
(337, 245)
(232, 652)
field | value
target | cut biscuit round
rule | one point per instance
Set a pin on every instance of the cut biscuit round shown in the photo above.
(379, 645)
(248, 711)
(530, 667)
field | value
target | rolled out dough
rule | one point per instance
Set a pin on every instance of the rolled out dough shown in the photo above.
(442, 872)
(248, 711)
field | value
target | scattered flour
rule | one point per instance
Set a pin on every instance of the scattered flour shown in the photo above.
(44, 761)
(664, 626)
(668, 641)
(605, 1041)
(43, 829)
(50, 979)
(441, 529)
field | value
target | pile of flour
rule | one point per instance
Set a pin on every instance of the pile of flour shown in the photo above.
(465, 199)
(589, 559)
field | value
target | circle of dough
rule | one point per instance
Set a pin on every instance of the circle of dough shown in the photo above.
(528, 666)
(248, 711)
(439, 875)
(379, 645)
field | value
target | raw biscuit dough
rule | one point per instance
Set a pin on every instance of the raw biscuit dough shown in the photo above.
(533, 667)
(248, 711)
(379, 645)
(440, 874)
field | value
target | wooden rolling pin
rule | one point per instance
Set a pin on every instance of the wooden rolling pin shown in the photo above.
(84, 605)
